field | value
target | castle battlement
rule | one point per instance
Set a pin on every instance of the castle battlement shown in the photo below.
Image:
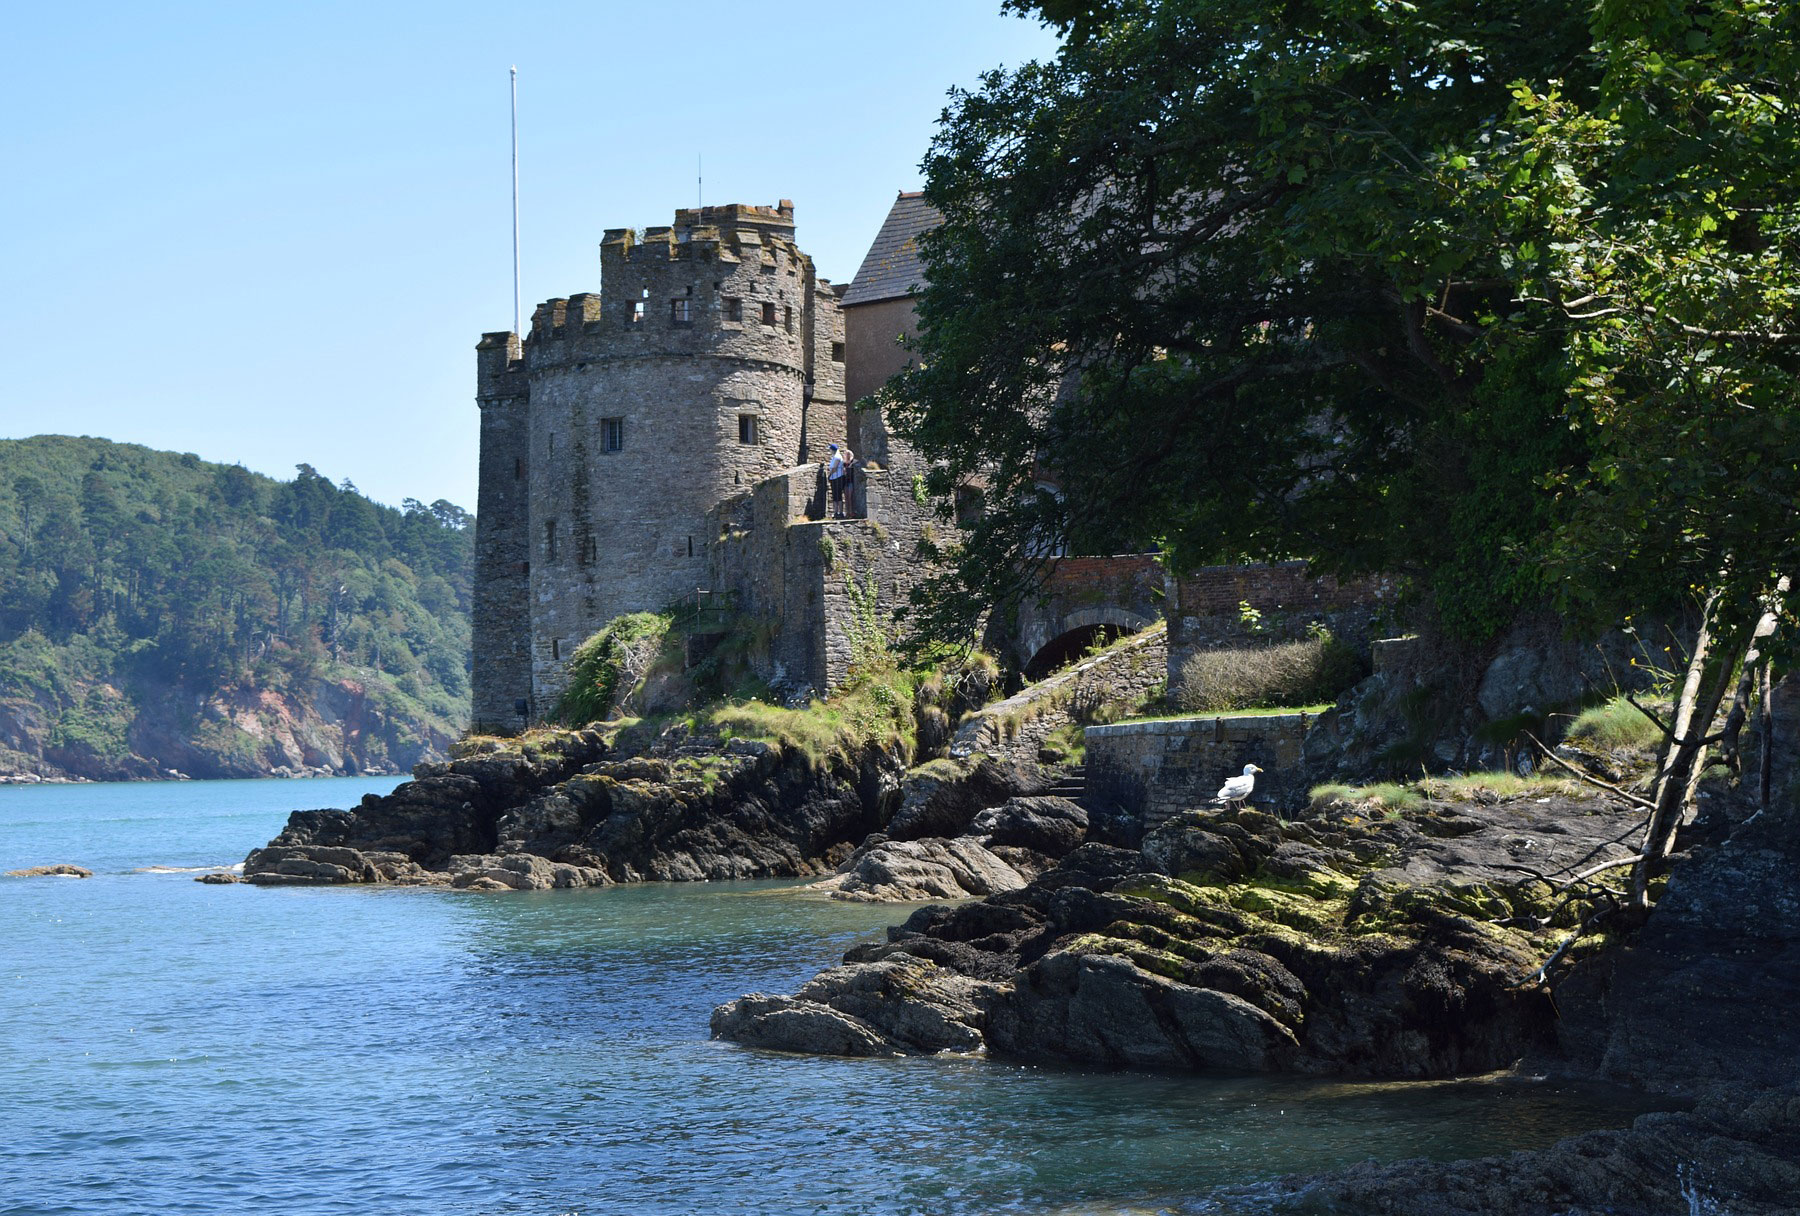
(499, 366)
(708, 361)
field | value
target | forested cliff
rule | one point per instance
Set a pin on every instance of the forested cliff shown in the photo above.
(159, 612)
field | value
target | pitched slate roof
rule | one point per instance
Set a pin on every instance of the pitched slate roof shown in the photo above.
(891, 268)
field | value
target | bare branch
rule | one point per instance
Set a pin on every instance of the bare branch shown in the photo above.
(1589, 777)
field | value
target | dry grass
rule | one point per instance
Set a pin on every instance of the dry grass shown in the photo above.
(1472, 787)
(1256, 677)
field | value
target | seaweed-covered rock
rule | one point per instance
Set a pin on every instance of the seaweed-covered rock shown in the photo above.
(1344, 944)
(1732, 1153)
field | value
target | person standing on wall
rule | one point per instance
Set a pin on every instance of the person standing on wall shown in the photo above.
(837, 473)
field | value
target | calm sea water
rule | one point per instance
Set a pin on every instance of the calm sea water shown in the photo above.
(173, 1047)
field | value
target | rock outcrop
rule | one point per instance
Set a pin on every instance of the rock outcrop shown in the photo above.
(902, 871)
(1344, 944)
(981, 848)
(57, 871)
(1733, 1154)
(570, 810)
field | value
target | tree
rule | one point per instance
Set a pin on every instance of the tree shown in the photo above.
(1668, 232)
(1215, 271)
(1497, 296)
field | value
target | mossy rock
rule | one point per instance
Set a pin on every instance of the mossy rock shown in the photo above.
(1286, 908)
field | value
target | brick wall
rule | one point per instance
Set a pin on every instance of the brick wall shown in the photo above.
(1155, 769)
(1124, 591)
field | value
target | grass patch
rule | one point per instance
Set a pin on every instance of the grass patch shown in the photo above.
(606, 666)
(1385, 795)
(1266, 711)
(1502, 785)
(1067, 742)
(1617, 723)
(1396, 798)
(877, 708)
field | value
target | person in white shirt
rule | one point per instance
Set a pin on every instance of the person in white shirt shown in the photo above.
(837, 474)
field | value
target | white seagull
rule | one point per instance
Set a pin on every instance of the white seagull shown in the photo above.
(1237, 789)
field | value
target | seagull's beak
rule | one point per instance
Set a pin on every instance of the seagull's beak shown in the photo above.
(1254, 769)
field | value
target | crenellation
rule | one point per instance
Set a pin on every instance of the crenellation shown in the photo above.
(635, 412)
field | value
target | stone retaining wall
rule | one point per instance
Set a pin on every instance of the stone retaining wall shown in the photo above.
(1154, 769)
(1206, 610)
(1124, 675)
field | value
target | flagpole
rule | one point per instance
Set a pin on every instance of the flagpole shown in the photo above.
(515, 196)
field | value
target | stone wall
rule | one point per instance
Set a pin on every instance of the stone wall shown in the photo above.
(1077, 593)
(502, 605)
(1122, 677)
(1154, 769)
(793, 571)
(1206, 609)
(711, 361)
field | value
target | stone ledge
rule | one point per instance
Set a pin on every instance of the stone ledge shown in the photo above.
(1214, 723)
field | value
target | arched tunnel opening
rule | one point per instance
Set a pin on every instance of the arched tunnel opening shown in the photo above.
(1066, 648)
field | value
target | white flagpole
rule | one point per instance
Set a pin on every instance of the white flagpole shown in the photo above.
(515, 158)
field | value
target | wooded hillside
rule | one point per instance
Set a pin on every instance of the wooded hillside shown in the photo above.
(159, 611)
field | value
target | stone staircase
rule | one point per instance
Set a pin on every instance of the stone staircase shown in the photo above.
(1072, 784)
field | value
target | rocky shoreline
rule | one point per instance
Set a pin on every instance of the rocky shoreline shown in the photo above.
(575, 809)
(1342, 944)
(1345, 942)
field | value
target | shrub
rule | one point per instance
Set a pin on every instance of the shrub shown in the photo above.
(1262, 677)
(606, 666)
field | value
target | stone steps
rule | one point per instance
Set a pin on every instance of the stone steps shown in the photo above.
(1072, 784)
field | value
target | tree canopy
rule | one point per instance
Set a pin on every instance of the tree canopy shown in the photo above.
(1495, 296)
(154, 571)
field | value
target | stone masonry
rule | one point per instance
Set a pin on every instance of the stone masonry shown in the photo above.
(1207, 610)
(709, 362)
(1154, 769)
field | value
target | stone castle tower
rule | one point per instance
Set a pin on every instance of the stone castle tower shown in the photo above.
(711, 359)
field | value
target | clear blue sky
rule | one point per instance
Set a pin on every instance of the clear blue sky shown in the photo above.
(272, 233)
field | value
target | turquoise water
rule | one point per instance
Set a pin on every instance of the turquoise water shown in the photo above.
(174, 1047)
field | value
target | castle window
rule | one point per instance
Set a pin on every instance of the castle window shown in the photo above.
(637, 311)
(746, 428)
(550, 540)
(690, 541)
(589, 550)
(971, 503)
(518, 467)
(734, 309)
(556, 648)
(837, 352)
(768, 312)
(787, 317)
(679, 313)
(612, 434)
